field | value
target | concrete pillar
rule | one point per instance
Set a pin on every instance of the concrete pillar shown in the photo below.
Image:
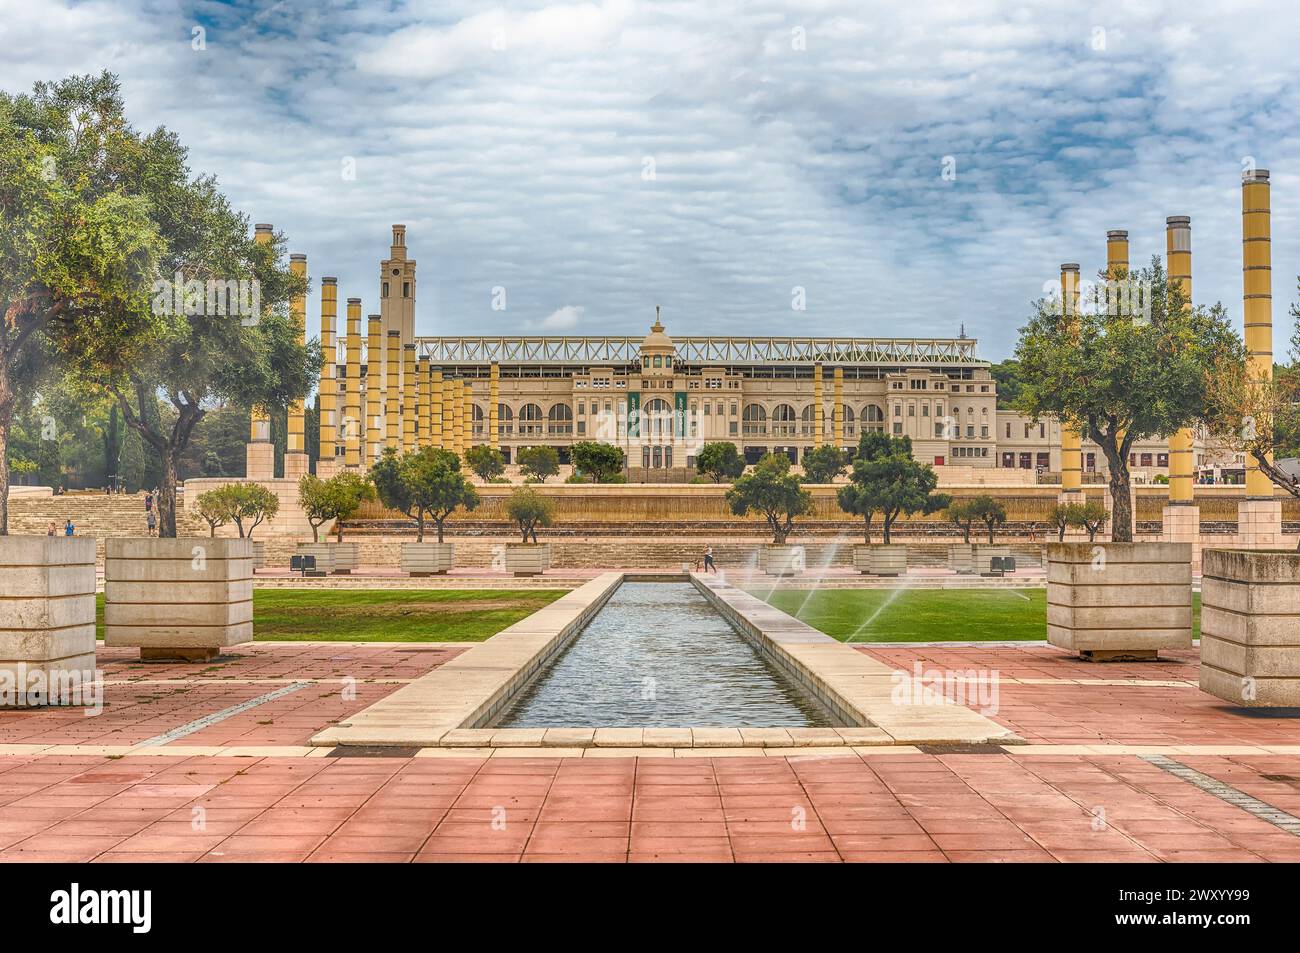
(1181, 518)
(437, 390)
(819, 411)
(1259, 516)
(422, 401)
(259, 452)
(457, 389)
(295, 447)
(494, 398)
(392, 408)
(448, 415)
(374, 389)
(410, 398)
(837, 413)
(1071, 439)
(353, 419)
(328, 390)
(467, 418)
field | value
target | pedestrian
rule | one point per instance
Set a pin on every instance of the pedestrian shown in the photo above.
(151, 519)
(148, 502)
(53, 530)
(708, 560)
(69, 529)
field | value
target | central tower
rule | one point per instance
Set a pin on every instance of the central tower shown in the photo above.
(397, 297)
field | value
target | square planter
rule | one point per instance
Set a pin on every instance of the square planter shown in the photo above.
(337, 558)
(782, 559)
(428, 559)
(1250, 627)
(961, 558)
(47, 620)
(984, 554)
(880, 559)
(1119, 601)
(178, 599)
(528, 559)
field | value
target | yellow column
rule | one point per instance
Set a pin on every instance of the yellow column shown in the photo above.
(1257, 298)
(422, 401)
(819, 412)
(392, 410)
(260, 457)
(494, 398)
(374, 389)
(1071, 441)
(353, 427)
(838, 411)
(1117, 269)
(410, 398)
(295, 441)
(436, 392)
(1178, 261)
(328, 390)
(458, 417)
(467, 417)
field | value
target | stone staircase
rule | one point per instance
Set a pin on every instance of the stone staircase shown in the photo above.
(93, 514)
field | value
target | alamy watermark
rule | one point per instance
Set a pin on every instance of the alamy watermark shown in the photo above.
(974, 688)
(22, 686)
(215, 297)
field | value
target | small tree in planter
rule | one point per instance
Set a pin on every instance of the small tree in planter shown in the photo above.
(1058, 517)
(774, 491)
(392, 490)
(437, 487)
(896, 485)
(1089, 516)
(855, 499)
(538, 463)
(215, 507)
(960, 515)
(600, 462)
(487, 463)
(988, 511)
(253, 503)
(720, 461)
(337, 498)
(823, 464)
(530, 509)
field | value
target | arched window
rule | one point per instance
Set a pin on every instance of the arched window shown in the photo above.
(873, 418)
(807, 420)
(656, 419)
(479, 424)
(530, 421)
(659, 361)
(783, 421)
(505, 420)
(754, 419)
(559, 420)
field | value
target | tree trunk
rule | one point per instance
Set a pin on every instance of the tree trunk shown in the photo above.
(167, 496)
(419, 527)
(867, 529)
(439, 524)
(338, 529)
(889, 524)
(1121, 495)
(990, 525)
(7, 401)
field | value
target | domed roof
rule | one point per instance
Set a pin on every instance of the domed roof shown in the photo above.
(657, 340)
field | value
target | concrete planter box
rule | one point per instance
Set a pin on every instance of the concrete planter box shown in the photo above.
(178, 599)
(983, 556)
(1250, 627)
(528, 559)
(782, 559)
(428, 559)
(880, 559)
(338, 558)
(1119, 601)
(961, 558)
(47, 619)
(259, 554)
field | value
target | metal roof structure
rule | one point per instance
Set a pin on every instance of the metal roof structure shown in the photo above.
(619, 350)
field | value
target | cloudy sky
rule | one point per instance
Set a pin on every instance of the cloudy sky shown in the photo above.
(909, 166)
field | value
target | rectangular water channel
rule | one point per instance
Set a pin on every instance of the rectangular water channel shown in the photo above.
(658, 655)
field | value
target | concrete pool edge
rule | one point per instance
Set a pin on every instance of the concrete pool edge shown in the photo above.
(447, 706)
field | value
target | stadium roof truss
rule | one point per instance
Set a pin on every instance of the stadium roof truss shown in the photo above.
(615, 351)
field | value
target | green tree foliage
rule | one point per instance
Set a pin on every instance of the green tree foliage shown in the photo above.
(720, 461)
(959, 513)
(774, 491)
(426, 484)
(487, 463)
(1007, 376)
(1122, 377)
(1090, 516)
(215, 508)
(247, 505)
(538, 463)
(600, 462)
(529, 509)
(988, 511)
(823, 464)
(78, 243)
(337, 498)
(1058, 517)
(886, 480)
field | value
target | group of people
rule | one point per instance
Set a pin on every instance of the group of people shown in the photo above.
(69, 529)
(150, 519)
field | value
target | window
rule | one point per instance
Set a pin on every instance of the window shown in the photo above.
(898, 428)
(406, 289)
(656, 419)
(385, 289)
(984, 432)
(1162, 459)
(530, 421)
(784, 421)
(659, 361)
(505, 420)
(559, 420)
(755, 418)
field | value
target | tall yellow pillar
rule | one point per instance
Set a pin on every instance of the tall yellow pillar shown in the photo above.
(353, 427)
(458, 417)
(295, 445)
(374, 440)
(328, 388)
(837, 412)
(422, 402)
(410, 398)
(1178, 261)
(259, 453)
(392, 409)
(494, 398)
(819, 411)
(1071, 440)
(1257, 297)
(436, 392)
(467, 417)
(448, 415)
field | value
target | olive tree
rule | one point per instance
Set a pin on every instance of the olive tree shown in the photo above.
(774, 491)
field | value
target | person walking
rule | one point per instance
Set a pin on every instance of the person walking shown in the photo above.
(69, 529)
(53, 530)
(708, 560)
(151, 520)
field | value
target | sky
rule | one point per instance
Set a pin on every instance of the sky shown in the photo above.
(834, 167)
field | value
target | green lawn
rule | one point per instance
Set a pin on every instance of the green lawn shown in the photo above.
(927, 615)
(386, 615)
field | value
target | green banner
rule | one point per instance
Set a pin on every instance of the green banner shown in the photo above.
(633, 413)
(679, 413)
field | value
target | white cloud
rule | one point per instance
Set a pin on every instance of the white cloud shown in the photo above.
(562, 319)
